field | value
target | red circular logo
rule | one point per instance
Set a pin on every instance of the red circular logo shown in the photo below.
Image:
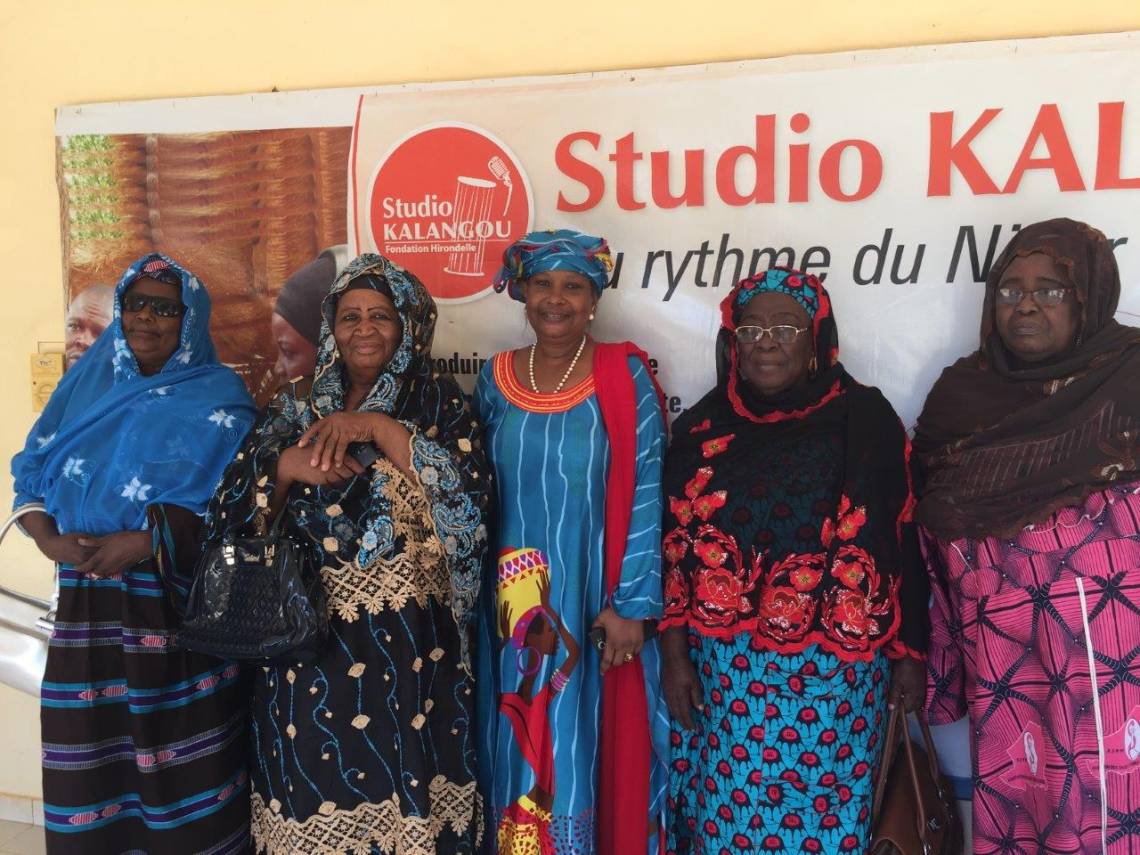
(445, 202)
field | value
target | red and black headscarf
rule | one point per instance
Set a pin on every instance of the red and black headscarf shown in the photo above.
(862, 586)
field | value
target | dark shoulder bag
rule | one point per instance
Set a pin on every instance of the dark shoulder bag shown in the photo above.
(914, 811)
(257, 600)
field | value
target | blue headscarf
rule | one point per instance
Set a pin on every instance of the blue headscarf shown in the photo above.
(554, 249)
(111, 441)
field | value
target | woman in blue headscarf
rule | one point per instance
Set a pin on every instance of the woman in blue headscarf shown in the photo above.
(143, 746)
(574, 737)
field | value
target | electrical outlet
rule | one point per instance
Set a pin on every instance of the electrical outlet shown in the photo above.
(47, 370)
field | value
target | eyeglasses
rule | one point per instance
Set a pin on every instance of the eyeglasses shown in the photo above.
(781, 333)
(1042, 296)
(164, 307)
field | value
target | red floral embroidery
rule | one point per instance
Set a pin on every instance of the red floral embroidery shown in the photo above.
(711, 553)
(803, 571)
(721, 591)
(705, 506)
(713, 447)
(698, 482)
(846, 524)
(676, 545)
(682, 510)
(700, 428)
(852, 565)
(676, 592)
(855, 618)
(785, 613)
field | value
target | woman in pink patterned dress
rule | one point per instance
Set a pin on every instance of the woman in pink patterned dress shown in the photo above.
(1031, 517)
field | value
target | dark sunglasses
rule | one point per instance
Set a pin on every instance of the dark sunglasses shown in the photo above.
(163, 307)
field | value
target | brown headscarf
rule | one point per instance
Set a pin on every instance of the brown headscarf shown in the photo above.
(1002, 445)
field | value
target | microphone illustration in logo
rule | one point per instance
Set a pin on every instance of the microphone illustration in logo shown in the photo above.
(500, 171)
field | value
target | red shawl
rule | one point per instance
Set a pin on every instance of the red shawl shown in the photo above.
(623, 779)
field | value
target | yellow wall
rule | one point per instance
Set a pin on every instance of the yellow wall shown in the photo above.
(75, 51)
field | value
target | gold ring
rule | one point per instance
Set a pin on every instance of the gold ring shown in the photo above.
(629, 657)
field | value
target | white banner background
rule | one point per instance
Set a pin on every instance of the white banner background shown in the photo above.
(896, 336)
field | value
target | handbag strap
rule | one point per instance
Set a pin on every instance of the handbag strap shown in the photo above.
(920, 807)
(886, 760)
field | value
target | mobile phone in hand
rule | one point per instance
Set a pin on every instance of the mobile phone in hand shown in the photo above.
(364, 453)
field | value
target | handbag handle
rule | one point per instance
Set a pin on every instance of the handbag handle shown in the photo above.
(920, 808)
(886, 760)
(894, 725)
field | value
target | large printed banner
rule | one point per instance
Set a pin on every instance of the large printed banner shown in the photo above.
(896, 174)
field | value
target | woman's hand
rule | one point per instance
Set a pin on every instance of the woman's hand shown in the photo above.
(624, 638)
(908, 684)
(679, 680)
(295, 464)
(64, 548)
(328, 440)
(114, 553)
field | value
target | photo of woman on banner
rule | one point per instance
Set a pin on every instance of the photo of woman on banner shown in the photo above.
(1029, 455)
(296, 319)
(144, 745)
(572, 747)
(795, 594)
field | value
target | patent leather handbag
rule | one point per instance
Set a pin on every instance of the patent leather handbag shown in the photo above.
(256, 600)
(914, 812)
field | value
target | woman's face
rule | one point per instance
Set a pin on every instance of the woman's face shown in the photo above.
(367, 331)
(1029, 331)
(559, 304)
(152, 337)
(296, 355)
(769, 367)
(540, 636)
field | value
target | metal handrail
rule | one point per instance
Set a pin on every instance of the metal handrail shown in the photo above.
(49, 605)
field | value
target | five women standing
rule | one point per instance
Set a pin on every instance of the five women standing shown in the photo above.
(793, 609)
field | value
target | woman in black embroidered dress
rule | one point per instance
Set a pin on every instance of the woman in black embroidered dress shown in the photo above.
(792, 575)
(369, 748)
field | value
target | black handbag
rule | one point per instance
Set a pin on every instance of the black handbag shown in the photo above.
(256, 600)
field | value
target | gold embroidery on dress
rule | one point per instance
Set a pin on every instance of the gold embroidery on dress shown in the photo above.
(368, 824)
(419, 572)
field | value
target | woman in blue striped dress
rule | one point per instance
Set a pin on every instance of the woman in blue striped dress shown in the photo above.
(143, 746)
(576, 435)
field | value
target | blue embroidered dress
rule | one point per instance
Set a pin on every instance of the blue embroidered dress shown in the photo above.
(369, 749)
(539, 687)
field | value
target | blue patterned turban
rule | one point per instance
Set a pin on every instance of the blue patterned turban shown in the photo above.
(554, 249)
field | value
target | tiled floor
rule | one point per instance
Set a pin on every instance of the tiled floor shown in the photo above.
(18, 838)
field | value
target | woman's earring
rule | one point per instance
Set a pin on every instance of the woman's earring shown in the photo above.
(592, 315)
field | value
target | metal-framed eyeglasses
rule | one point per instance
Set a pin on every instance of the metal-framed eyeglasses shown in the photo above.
(781, 333)
(1045, 297)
